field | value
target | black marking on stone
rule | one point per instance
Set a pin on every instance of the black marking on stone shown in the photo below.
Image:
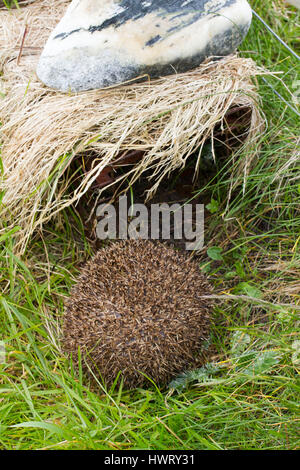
(179, 15)
(174, 28)
(135, 10)
(65, 35)
(153, 40)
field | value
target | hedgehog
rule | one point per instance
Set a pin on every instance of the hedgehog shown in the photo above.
(137, 312)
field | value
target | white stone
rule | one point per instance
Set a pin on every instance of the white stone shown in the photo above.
(100, 43)
(295, 3)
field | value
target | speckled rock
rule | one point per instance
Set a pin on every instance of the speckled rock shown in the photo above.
(100, 43)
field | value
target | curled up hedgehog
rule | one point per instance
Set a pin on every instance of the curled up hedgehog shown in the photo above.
(136, 310)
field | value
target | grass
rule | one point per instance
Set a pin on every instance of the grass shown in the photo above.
(248, 395)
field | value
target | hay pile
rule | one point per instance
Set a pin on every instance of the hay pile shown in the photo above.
(42, 130)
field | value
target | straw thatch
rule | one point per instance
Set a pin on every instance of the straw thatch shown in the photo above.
(43, 130)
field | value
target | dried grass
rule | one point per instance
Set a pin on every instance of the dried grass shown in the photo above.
(43, 130)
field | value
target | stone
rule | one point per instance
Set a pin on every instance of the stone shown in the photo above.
(295, 3)
(101, 43)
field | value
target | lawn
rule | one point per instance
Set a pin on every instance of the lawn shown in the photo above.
(247, 396)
